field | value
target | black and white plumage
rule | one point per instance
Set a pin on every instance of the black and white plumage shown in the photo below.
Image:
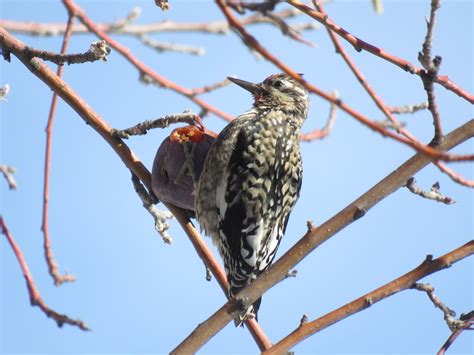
(251, 180)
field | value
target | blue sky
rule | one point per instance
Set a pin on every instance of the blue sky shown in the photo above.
(141, 296)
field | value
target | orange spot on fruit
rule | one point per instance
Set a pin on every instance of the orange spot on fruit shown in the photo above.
(187, 134)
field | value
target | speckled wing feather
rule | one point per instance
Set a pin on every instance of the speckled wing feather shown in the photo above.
(214, 175)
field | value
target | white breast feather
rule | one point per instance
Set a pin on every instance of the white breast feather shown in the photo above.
(255, 242)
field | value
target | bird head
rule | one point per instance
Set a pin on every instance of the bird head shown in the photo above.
(280, 92)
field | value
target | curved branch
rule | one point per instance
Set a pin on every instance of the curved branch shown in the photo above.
(35, 296)
(404, 282)
(48, 252)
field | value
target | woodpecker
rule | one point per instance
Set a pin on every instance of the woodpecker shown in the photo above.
(251, 180)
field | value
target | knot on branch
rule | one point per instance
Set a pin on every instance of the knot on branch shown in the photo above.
(359, 213)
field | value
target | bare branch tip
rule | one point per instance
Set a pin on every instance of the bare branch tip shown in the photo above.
(434, 194)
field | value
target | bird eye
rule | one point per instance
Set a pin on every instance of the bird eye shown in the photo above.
(278, 84)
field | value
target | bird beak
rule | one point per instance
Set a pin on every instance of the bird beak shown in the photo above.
(253, 88)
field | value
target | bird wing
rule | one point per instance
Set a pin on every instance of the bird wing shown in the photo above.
(247, 204)
(241, 233)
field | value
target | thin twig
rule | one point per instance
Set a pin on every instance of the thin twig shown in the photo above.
(132, 16)
(265, 8)
(260, 6)
(427, 79)
(35, 296)
(433, 194)
(166, 26)
(162, 122)
(8, 172)
(408, 108)
(161, 217)
(431, 67)
(452, 323)
(98, 51)
(209, 88)
(388, 124)
(469, 319)
(288, 30)
(453, 175)
(48, 252)
(327, 129)
(455, 325)
(425, 55)
(171, 47)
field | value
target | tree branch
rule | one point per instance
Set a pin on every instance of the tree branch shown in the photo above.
(98, 51)
(35, 296)
(469, 319)
(160, 216)
(408, 108)
(48, 252)
(162, 122)
(431, 67)
(404, 282)
(166, 26)
(359, 45)
(452, 323)
(326, 130)
(433, 194)
(453, 175)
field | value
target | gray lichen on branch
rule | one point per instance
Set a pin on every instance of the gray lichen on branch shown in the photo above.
(161, 217)
(434, 194)
(98, 51)
(8, 172)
